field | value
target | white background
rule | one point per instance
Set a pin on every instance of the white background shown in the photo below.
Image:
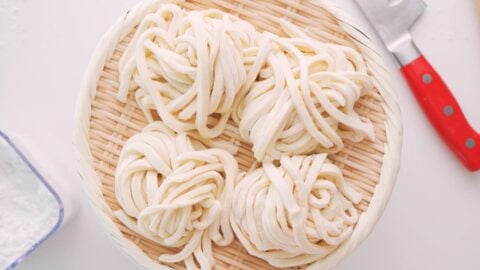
(431, 222)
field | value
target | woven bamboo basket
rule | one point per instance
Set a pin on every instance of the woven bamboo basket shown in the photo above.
(103, 124)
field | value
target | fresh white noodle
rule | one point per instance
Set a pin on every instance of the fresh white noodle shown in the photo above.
(290, 97)
(303, 99)
(188, 66)
(175, 195)
(295, 213)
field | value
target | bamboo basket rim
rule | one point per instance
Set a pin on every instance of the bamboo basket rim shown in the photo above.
(92, 182)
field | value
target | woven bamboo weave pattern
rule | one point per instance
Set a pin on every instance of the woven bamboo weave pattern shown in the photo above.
(112, 122)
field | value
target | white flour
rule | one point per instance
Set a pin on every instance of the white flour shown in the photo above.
(28, 211)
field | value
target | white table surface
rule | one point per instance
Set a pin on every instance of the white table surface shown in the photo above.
(431, 222)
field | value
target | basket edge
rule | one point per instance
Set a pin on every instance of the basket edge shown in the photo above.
(90, 179)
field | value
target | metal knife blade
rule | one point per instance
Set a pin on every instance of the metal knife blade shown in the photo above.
(392, 19)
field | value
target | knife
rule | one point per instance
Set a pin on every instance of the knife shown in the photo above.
(392, 19)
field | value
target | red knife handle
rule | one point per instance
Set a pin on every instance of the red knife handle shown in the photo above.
(443, 110)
